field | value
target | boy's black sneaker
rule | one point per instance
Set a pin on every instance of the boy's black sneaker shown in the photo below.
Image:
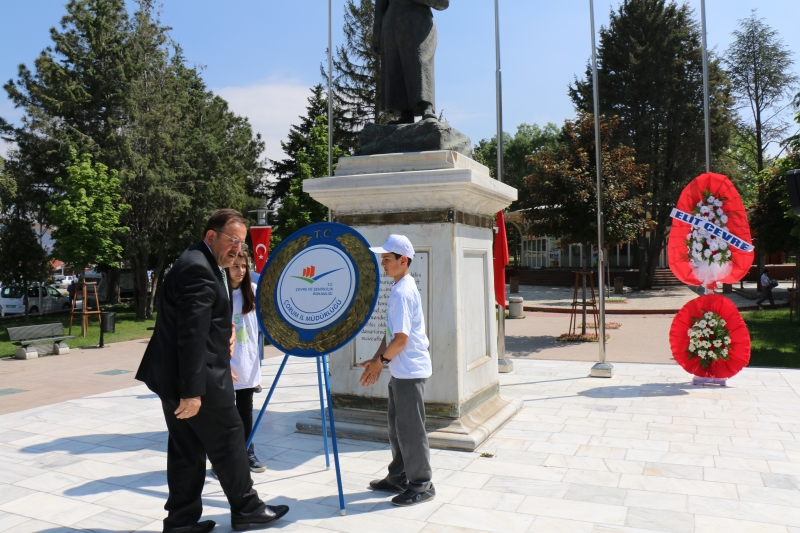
(409, 498)
(388, 486)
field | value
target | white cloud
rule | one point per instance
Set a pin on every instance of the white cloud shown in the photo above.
(271, 106)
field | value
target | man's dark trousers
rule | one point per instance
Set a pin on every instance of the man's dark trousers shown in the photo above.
(766, 292)
(411, 456)
(189, 357)
(216, 432)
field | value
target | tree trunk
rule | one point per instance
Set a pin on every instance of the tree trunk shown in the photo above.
(25, 299)
(641, 261)
(140, 293)
(653, 252)
(113, 286)
(156, 278)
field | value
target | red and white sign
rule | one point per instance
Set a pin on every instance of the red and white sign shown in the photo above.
(260, 236)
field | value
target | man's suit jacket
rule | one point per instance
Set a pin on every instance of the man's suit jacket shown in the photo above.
(189, 353)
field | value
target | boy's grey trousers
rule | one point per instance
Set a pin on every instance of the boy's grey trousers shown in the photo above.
(411, 457)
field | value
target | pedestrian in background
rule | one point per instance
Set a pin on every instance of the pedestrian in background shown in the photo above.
(246, 363)
(766, 289)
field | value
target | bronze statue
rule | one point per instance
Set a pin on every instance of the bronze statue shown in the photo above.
(405, 37)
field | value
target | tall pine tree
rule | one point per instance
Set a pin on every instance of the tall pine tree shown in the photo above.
(356, 74)
(650, 76)
(299, 141)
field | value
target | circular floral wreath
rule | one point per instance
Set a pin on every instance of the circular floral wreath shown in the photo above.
(727, 339)
(709, 339)
(697, 257)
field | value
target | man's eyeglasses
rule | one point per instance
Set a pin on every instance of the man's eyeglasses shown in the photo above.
(235, 242)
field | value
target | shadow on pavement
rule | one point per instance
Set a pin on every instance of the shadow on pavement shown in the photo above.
(635, 391)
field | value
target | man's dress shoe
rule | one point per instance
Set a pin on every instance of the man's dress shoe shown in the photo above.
(201, 527)
(270, 514)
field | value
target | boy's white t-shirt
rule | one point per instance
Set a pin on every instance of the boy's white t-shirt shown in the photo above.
(404, 315)
(245, 362)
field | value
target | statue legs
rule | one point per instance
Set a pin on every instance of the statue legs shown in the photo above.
(407, 115)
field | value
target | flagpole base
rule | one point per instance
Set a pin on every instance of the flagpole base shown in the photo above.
(505, 366)
(602, 370)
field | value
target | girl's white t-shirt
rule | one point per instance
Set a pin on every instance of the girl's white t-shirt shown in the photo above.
(245, 362)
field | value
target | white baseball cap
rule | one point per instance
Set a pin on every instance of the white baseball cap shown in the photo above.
(395, 244)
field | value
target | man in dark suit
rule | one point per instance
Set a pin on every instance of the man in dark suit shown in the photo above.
(187, 363)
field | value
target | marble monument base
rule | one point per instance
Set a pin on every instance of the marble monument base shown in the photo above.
(444, 203)
(463, 434)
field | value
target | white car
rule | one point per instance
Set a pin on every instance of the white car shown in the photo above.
(41, 299)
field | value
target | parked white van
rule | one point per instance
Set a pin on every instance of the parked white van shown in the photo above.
(41, 299)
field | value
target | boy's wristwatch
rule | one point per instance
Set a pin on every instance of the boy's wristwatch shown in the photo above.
(383, 359)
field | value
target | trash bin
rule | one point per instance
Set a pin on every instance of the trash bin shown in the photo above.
(618, 287)
(108, 321)
(514, 282)
(515, 307)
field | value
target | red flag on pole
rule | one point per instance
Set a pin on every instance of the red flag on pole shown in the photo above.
(500, 260)
(260, 236)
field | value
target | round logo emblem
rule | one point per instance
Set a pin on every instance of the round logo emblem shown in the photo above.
(316, 287)
(318, 290)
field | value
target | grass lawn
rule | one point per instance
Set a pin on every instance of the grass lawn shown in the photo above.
(127, 328)
(775, 342)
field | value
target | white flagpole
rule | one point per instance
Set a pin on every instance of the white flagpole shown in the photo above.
(600, 369)
(705, 86)
(330, 96)
(503, 365)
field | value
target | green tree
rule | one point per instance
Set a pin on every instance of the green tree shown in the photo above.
(300, 140)
(87, 214)
(298, 209)
(759, 66)
(561, 194)
(777, 226)
(8, 188)
(189, 155)
(116, 87)
(74, 97)
(529, 140)
(23, 261)
(356, 75)
(650, 75)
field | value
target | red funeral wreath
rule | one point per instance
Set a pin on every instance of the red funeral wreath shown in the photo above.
(721, 188)
(738, 351)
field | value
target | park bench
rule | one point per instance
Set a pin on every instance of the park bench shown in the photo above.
(28, 337)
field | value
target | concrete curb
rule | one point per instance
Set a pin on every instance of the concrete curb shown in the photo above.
(612, 311)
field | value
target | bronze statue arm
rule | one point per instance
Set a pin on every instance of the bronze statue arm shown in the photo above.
(380, 9)
(439, 5)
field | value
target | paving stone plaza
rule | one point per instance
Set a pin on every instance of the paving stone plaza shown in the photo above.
(644, 451)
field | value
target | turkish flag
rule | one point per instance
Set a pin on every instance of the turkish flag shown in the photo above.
(260, 236)
(500, 260)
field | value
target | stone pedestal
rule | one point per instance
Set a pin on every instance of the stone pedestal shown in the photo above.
(443, 202)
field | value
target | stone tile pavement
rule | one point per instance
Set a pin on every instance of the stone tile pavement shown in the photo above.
(640, 339)
(666, 298)
(642, 452)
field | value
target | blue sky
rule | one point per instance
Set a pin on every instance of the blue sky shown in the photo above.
(264, 55)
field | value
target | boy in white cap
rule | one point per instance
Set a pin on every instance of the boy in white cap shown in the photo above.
(405, 350)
